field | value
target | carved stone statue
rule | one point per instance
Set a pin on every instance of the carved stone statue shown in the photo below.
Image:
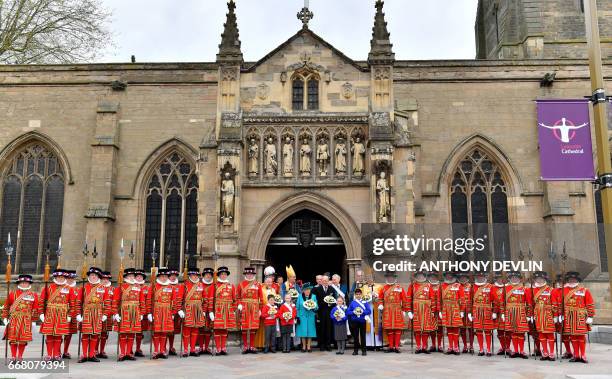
(358, 151)
(227, 199)
(288, 158)
(253, 158)
(271, 158)
(340, 152)
(322, 156)
(384, 199)
(305, 156)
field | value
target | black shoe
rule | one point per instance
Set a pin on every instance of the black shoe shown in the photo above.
(120, 359)
(164, 356)
(514, 355)
(83, 360)
(223, 352)
(102, 356)
(355, 352)
(481, 354)
(544, 358)
(471, 350)
(425, 351)
(193, 354)
(419, 351)
(524, 356)
(567, 356)
(139, 354)
(584, 360)
(93, 359)
(66, 356)
(338, 353)
(185, 355)
(501, 352)
(364, 353)
(449, 352)
(155, 356)
(245, 351)
(389, 351)
(574, 360)
(432, 349)
(130, 358)
(397, 351)
(489, 355)
(273, 351)
(172, 352)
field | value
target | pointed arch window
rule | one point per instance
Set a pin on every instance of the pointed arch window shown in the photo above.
(33, 204)
(171, 214)
(479, 203)
(305, 91)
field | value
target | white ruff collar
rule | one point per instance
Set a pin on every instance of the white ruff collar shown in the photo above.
(130, 281)
(24, 288)
(94, 283)
(207, 282)
(222, 280)
(158, 281)
(61, 284)
(194, 281)
(71, 285)
(173, 281)
(107, 284)
(481, 283)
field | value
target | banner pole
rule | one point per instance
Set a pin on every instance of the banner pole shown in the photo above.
(604, 165)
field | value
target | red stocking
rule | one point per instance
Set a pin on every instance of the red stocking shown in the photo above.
(67, 339)
(85, 345)
(57, 347)
(195, 336)
(13, 350)
(103, 339)
(186, 338)
(170, 341)
(139, 338)
(224, 340)
(252, 340)
(129, 344)
(424, 339)
(207, 337)
(551, 347)
(21, 349)
(122, 340)
(50, 344)
(245, 346)
(480, 342)
(93, 342)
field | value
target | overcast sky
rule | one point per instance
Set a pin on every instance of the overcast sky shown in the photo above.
(189, 30)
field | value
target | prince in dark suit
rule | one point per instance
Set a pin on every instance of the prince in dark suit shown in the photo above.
(325, 325)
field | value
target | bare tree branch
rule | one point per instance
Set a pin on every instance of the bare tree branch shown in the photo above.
(53, 31)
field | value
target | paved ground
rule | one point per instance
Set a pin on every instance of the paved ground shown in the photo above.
(330, 365)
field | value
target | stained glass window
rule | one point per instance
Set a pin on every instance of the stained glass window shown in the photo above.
(33, 203)
(479, 204)
(171, 207)
(298, 94)
(305, 90)
(313, 94)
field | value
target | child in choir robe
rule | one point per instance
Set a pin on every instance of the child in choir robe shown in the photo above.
(287, 317)
(358, 314)
(269, 314)
(338, 316)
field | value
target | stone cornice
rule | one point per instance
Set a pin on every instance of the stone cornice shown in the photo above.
(305, 118)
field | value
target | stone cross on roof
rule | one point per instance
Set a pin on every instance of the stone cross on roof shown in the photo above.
(305, 15)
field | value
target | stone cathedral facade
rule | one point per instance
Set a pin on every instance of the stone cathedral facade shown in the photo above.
(281, 161)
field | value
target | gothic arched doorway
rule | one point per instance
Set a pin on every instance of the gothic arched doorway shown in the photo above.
(310, 243)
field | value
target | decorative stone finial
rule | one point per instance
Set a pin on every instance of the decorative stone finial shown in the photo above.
(229, 49)
(381, 48)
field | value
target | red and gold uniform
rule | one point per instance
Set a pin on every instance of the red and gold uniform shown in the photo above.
(422, 302)
(249, 296)
(73, 328)
(205, 332)
(92, 308)
(192, 308)
(128, 309)
(57, 299)
(21, 310)
(483, 314)
(107, 326)
(178, 294)
(437, 336)
(467, 330)
(145, 324)
(224, 312)
(545, 312)
(517, 311)
(503, 334)
(578, 312)
(452, 312)
(394, 301)
(163, 308)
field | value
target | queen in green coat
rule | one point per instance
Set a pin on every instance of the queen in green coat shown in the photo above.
(306, 327)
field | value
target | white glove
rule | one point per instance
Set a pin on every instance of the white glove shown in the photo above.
(470, 317)
(104, 318)
(69, 318)
(181, 313)
(560, 318)
(494, 316)
(503, 317)
(367, 318)
(117, 318)
(556, 320)
(150, 317)
(440, 315)
(42, 317)
(410, 315)
(404, 314)
(381, 307)
(240, 307)
(211, 315)
(530, 319)
(462, 314)
(589, 320)
(79, 318)
(141, 317)
(259, 314)
(5, 321)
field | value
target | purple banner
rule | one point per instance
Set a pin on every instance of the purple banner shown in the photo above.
(564, 131)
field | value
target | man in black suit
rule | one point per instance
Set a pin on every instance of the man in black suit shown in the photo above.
(325, 325)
